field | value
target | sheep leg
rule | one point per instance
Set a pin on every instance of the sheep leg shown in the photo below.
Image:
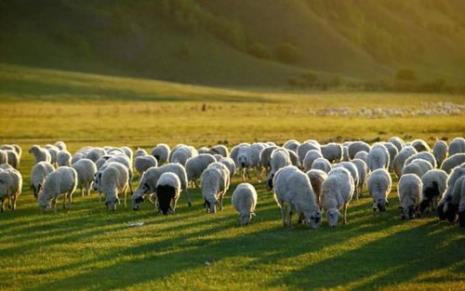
(125, 194)
(54, 204)
(284, 215)
(221, 201)
(14, 202)
(64, 200)
(10, 203)
(345, 212)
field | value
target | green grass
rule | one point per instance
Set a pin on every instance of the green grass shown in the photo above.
(89, 248)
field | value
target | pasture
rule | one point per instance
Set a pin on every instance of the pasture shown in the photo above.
(89, 248)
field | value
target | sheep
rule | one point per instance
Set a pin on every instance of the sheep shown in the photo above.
(401, 157)
(265, 158)
(293, 192)
(456, 202)
(352, 170)
(310, 157)
(244, 200)
(345, 152)
(77, 156)
(420, 145)
(392, 149)
(53, 150)
(229, 163)
(218, 157)
(418, 167)
(378, 157)
(3, 157)
(255, 150)
(445, 209)
(440, 150)
(294, 158)
(409, 191)
(63, 158)
(122, 159)
(86, 170)
(333, 152)
(11, 184)
(427, 156)
(336, 193)
(38, 174)
(182, 153)
(203, 150)
(168, 191)
(161, 152)
(196, 165)
(362, 170)
(14, 147)
(148, 182)
(140, 152)
(243, 159)
(95, 154)
(453, 161)
(362, 155)
(13, 158)
(279, 159)
(317, 178)
(379, 186)
(305, 147)
(434, 185)
(142, 163)
(321, 164)
(214, 184)
(292, 145)
(61, 145)
(357, 146)
(397, 142)
(113, 181)
(457, 145)
(62, 181)
(40, 154)
(128, 152)
(220, 149)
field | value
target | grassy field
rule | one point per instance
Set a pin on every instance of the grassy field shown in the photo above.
(89, 248)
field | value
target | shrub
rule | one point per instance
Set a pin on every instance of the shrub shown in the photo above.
(259, 50)
(287, 53)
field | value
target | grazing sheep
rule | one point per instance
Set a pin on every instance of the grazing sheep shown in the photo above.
(279, 159)
(168, 191)
(244, 200)
(294, 158)
(11, 184)
(38, 174)
(304, 148)
(77, 156)
(53, 151)
(453, 161)
(229, 163)
(125, 161)
(321, 164)
(128, 152)
(409, 191)
(140, 152)
(379, 186)
(397, 142)
(292, 145)
(333, 152)
(293, 192)
(434, 185)
(142, 163)
(14, 147)
(62, 181)
(112, 181)
(457, 145)
(148, 182)
(161, 152)
(86, 170)
(220, 150)
(420, 145)
(3, 157)
(182, 153)
(362, 155)
(440, 149)
(427, 156)
(61, 145)
(378, 157)
(243, 159)
(392, 149)
(456, 202)
(40, 154)
(265, 158)
(418, 167)
(214, 183)
(345, 152)
(218, 157)
(401, 157)
(445, 209)
(317, 178)
(357, 146)
(203, 150)
(63, 158)
(13, 158)
(196, 165)
(235, 152)
(310, 157)
(362, 170)
(255, 150)
(96, 153)
(336, 194)
(352, 170)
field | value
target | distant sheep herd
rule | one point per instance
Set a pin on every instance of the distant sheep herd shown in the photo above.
(307, 178)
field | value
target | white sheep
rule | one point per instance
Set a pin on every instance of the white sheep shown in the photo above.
(95, 154)
(38, 174)
(317, 177)
(279, 159)
(86, 170)
(168, 191)
(142, 163)
(293, 192)
(321, 164)
(379, 186)
(229, 163)
(353, 170)
(401, 157)
(11, 184)
(140, 152)
(61, 145)
(265, 158)
(378, 157)
(63, 158)
(357, 146)
(182, 153)
(220, 149)
(112, 181)
(196, 165)
(53, 151)
(336, 194)
(427, 156)
(453, 161)
(362, 170)
(62, 181)
(14, 147)
(3, 157)
(333, 152)
(418, 167)
(40, 154)
(214, 184)
(457, 145)
(393, 151)
(434, 185)
(397, 142)
(310, 157)
(440, 150)
(420, 145)
(362, 155)
(161, 152)
(305, 147)
(409, 191)
(445, 209)
(292, 145)
(244, 200)
(294, 158)
(13, 158)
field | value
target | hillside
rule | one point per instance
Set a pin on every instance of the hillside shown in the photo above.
(260, 43)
